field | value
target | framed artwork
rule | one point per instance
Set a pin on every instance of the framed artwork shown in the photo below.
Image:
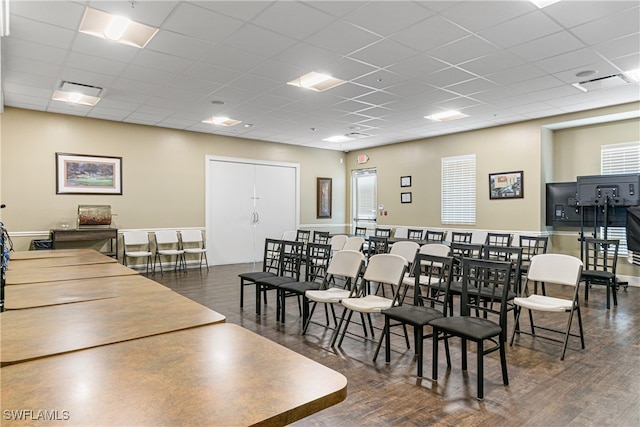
(324, 197)
(506, 185)
(405, 197)
(405, 181)
(85, 174)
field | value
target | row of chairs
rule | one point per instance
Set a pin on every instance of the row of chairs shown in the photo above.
(164, 243)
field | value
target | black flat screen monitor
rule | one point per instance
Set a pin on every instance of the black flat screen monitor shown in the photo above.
(611, 190)
(563, 209)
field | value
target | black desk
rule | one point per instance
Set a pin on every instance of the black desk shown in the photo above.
(85, 234)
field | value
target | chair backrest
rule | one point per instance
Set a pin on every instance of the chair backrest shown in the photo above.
(498, 239)
(435, 236)
(289, 235)
(437, 249)
(461, 236)
(386, 269)
(271, 257)
(434, 277)
(491, 279)
(316, 261)
(405, 249)
(303, 236)
(377, 245)
(415, 234)
(337, 242)
(532, 245)
(321, 237)
(353, 243)
(512, 254)
(135, 238)
(191, 236)
(361, 231)
(166, 237)
(383, 232)
(466, 250)
(346, 263)
(555, 268)
(601, 254)
(291, 259)
(401, 232)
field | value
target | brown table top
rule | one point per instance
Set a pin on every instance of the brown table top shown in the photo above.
(93, 257)
(44, 331)
(217, 375)
(68, 272)
(57, 253)
(64, 292)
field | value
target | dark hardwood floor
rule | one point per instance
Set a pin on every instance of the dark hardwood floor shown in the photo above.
(597, 386)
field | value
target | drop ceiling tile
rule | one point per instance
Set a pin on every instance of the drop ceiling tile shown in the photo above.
(602, 68)
(417, 66)
(24, 65)
(496, 61)
(349, 69)
(179, 45)
(335, 8)
(209, 72)
(278, 18)
(306, 56)
(94, 64)
(62, 14)
(618, 48)
(148, 75)
(232, 58)
(383, 53)
(520, 30)
(343, 38)
(463, 50)
(472, 86)
(515, 75)
(381, 79)
(33, 51)
(429, 34)
(446, 77)
(161, 61)
(589, 11)
(627, 63)
(152, 13)
(569, 60)
(104, 49)
(255, 85)
(279, 71)
(387, 17)
(251, 38)
(38, 32)
(478, 15)
(378, 98)
(548, 46)
(200, 23)
(86, 77)
(611, 27)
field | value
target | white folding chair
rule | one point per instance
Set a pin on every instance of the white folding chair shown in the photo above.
(136, 245)
(550, 269)
(168, 244)
(192, 243)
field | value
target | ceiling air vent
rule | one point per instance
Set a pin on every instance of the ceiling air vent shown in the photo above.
(608, 82)
(80, 88)
(357, 135)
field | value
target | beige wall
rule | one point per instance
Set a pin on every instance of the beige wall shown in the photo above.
(163, 172)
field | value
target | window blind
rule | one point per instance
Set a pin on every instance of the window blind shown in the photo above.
(458, 191)
(615, 159)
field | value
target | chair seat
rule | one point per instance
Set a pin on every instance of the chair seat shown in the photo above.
(412, 314)
(275, 281)
(367, 304)
(255, 275)
(472, 328)
(300, 287)
(170, 252)
(544, 303)
(604, 276)
(328, 296)
(194, 251)
(424, 280)
(139, 254)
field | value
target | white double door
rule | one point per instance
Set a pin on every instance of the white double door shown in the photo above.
(248, 201)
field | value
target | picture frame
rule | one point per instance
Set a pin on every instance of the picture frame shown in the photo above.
(88, 174)
(405, 197)
(506, 185)
(405, 181)
(324, 202)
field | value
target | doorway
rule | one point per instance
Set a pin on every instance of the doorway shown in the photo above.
(364, 200)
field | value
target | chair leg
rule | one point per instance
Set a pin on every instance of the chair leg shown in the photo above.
(516, 327)
(580, 326)
(434, 356)
(346, 326)
(334, 335)
(503, 364)
(418, 333)
(308, 319)
(480, 357)
(463, 349)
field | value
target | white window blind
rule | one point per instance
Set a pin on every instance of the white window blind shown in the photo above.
(614, 159)
(365, 190)
(458, 194)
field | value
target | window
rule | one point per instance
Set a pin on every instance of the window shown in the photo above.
(458, 190)
(364, 197)
(619, 158)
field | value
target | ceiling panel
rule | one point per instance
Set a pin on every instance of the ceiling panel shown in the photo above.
(497, 61)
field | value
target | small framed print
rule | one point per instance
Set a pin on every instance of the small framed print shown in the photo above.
(87, 174)
(506, 185)
(405, 181)
(405, 197)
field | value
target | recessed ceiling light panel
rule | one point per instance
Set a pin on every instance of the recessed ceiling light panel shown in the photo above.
(316, 81)
(75, 98)
(221, 121)
(116, 28)
(338, 138)
(446, 116)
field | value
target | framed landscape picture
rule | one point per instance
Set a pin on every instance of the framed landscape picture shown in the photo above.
(86, 174)
(324, 197)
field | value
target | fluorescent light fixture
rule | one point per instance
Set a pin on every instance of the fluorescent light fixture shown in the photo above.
(543, 3)
(338, 138)
(445, 116)
(75, 98)
(316, 81)
(633, 75)
(221, 121)
(4, 18)
(116, 28)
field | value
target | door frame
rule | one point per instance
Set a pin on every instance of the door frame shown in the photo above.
(208, 165)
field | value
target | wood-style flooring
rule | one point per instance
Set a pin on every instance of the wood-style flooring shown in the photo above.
(597, 386)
